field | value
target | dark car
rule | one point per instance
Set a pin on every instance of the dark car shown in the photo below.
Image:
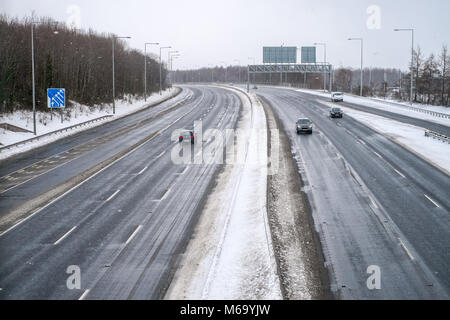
(303, 125)
(336, 113)
(187, 136)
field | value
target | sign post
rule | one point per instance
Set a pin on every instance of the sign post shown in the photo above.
(56, 99)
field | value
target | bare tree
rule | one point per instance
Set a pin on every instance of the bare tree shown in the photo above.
(444, 60)
(79, 61)
(417, 64)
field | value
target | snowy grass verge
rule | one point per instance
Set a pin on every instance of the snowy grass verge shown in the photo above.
(77, 113)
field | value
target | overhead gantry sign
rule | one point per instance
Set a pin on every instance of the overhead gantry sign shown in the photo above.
(290, 68)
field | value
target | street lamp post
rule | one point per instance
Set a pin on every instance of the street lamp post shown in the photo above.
(169, 53)
(32, 72)
(160, 68)
(253, 59)
(175, 56)
(113, 74)
(226, 70)
(145, 68)
(361, 85)
(239, 67)
(412, 61)
(212, 71)
(325, 61)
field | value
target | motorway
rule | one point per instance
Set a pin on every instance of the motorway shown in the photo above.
(126, 225)
(373, 202)
(433, 126)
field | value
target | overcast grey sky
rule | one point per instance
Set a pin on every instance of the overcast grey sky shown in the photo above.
(210, 31)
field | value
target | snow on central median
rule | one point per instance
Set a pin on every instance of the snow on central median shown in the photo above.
(230, 255)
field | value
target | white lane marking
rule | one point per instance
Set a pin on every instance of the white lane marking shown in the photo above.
(65, 235)
(378, 155)
(84, 294)
(431, 200)
(406, 249)
(161, 154)
(38, 175)
(373, 202)
(362, 142)
(165, 194)
(112, 196)
(133, 234)
(140, 172)
(399, 173)
(181, 173)
(103, 169)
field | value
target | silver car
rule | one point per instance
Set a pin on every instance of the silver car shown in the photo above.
(337, 97)
(304, 125)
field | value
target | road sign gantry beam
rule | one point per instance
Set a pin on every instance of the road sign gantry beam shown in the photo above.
(290, 68)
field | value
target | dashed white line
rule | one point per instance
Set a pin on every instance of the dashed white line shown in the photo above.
(373, 202)
(399, 173)
(95, 174)
(431, 200)
(133, 234)
(378, 155)
(160, 155)
(140, 172)
(406, 249)
(112, 196)
(182, 172)
(65, 235)
(165, 194)
(84, 294)
(362, 142)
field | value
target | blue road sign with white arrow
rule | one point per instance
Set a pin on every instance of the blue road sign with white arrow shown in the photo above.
(56, 98)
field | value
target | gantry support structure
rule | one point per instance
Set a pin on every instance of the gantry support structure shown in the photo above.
(290, 68)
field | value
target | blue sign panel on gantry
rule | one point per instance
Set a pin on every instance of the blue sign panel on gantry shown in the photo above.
(308, 54)
(56, 98)
(279, 54)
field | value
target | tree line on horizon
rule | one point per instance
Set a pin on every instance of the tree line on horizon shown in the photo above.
(431, 79)
(79, 61)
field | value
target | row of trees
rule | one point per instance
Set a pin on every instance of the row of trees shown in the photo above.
(431, 79)
(80, 61)
(432, 74)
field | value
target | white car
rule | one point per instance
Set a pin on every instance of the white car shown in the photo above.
(337, 97)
